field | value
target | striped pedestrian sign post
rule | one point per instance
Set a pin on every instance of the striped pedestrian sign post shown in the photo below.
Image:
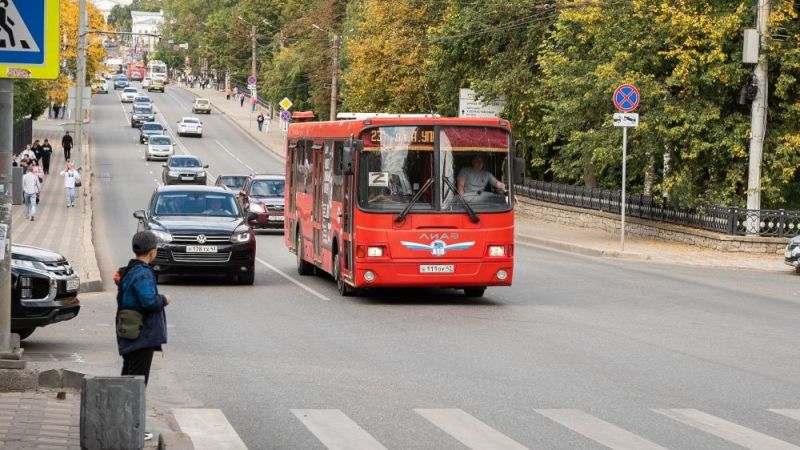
(626, 99)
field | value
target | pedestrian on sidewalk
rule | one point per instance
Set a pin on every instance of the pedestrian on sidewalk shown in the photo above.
(30, 188)
(241, 101)
(141, 320)
(235, 92)
(27, 153)
(47, 150)
(72, 178)
(260, 121)
(66, 143)
(56, 110)
(227, 93)
(36, 148)
(37, 170)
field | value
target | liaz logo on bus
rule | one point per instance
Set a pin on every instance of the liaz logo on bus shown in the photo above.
(437, 247)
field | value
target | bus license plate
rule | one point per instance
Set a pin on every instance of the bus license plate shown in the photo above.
(437, 268)
(201, 249)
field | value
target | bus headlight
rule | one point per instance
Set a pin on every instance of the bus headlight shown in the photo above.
(497, 250)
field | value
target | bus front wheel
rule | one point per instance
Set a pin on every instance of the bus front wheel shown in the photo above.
(474, 292)
(303, 267)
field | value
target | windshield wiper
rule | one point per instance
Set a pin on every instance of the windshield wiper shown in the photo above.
(402, 216)
(471, 212)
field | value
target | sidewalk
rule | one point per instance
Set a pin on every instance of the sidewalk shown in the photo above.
(578, 240)
(64, 230)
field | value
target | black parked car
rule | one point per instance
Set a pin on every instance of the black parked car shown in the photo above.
(181, 169)
(142, 114)
(150, 129)
(203, 229)
(44, 289)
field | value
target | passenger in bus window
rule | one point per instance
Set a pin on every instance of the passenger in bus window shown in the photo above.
(473, 179)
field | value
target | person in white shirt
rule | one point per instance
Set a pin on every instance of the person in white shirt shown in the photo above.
(71, 177)
(30, 189)
(27, 152)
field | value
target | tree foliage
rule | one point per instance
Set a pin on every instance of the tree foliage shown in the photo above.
(555, 62)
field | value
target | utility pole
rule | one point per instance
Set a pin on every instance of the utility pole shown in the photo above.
(758, 123)
(80, 82)
(6, 153)
(253, 56)
(334, 76)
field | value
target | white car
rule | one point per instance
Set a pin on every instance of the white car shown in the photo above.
(128, 94)
(159, 146)
(146, 82)
(201, 105)
(190, 125)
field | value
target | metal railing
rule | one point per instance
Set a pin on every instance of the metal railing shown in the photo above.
(720, 219)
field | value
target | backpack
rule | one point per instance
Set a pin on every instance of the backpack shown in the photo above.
(128, 322)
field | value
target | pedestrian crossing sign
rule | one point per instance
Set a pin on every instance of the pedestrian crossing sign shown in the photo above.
(29, 39)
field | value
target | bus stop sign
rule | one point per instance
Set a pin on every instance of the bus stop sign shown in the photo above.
(29, 39)
(626, 98)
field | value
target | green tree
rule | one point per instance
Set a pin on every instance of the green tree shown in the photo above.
(30, 99)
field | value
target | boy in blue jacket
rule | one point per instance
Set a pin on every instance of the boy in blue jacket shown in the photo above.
(137, 290)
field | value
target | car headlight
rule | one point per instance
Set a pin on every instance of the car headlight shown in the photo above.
(256, 208)
(201, 174)
(173, 173)
(162, 235)
(241, 235)
(36, 265)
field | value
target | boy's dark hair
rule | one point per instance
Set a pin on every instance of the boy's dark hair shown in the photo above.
(143, 242)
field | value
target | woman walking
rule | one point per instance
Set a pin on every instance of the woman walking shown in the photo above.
(71, 178)
(30, 187)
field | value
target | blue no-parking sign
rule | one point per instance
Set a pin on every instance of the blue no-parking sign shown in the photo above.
(626, 98)
(29, 38)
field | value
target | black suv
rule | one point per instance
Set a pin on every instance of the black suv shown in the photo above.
(44, 289)
(148, 129)
(142, 114)
(203, 229)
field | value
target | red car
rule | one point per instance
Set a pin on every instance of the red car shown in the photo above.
(263, 195)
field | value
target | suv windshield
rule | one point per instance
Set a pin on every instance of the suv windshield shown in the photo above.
(152, 126)
(397, 162)
(267, 188)
(195, 204)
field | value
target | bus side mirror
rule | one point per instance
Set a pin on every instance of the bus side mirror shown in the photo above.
(519, 170)
(349, 156)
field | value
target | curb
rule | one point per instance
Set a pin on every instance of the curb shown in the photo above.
(578, 249)
(91, 281)
(280, 155)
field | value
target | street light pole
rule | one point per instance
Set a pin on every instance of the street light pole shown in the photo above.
(758, 123)
(253, 38)
(80, 81)
(6, 154)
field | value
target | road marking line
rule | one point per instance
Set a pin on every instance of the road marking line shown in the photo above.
(598, 430)
(284, 275)
(729, 431)
(208, 429)
(335, 430)
(790, 413)
(468, 430)
(234, 156)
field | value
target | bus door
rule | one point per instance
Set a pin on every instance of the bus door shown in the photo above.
(317, 192)
(343, 191)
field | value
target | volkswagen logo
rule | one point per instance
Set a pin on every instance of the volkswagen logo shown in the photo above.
(201, 238)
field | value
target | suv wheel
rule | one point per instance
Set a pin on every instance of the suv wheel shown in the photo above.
(303, 267)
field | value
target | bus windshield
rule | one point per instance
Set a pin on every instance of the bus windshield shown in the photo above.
(473, 165)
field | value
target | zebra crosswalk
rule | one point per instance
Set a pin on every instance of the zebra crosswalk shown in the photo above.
(335, 430)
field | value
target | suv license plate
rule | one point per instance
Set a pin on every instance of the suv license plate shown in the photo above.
(437, 268)
(73, 285)
(185, 177)
(201, 249)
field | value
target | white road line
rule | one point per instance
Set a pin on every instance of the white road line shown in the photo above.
(790, 413)
(598, 430)
(468, 430)
(729, 431)
(234, 156)
(284, 275)
(335, 430)
(208, 429)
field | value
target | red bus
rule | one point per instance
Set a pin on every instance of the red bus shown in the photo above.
(403, 202)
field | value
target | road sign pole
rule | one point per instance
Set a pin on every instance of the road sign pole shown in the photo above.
(80, 81)
(6, 154)
(624, 169)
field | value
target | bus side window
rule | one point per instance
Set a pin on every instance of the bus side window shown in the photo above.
(338, 147)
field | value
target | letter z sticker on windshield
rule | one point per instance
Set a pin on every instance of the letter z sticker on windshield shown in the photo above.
(379, 179)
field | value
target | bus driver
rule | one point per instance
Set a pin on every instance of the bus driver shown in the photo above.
(473, 180)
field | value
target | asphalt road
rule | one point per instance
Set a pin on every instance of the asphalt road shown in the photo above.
(580, 353)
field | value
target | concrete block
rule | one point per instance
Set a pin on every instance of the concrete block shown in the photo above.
(61, 378)
(113, 413)
(16, 380)
(175, 440)
(12, 364)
